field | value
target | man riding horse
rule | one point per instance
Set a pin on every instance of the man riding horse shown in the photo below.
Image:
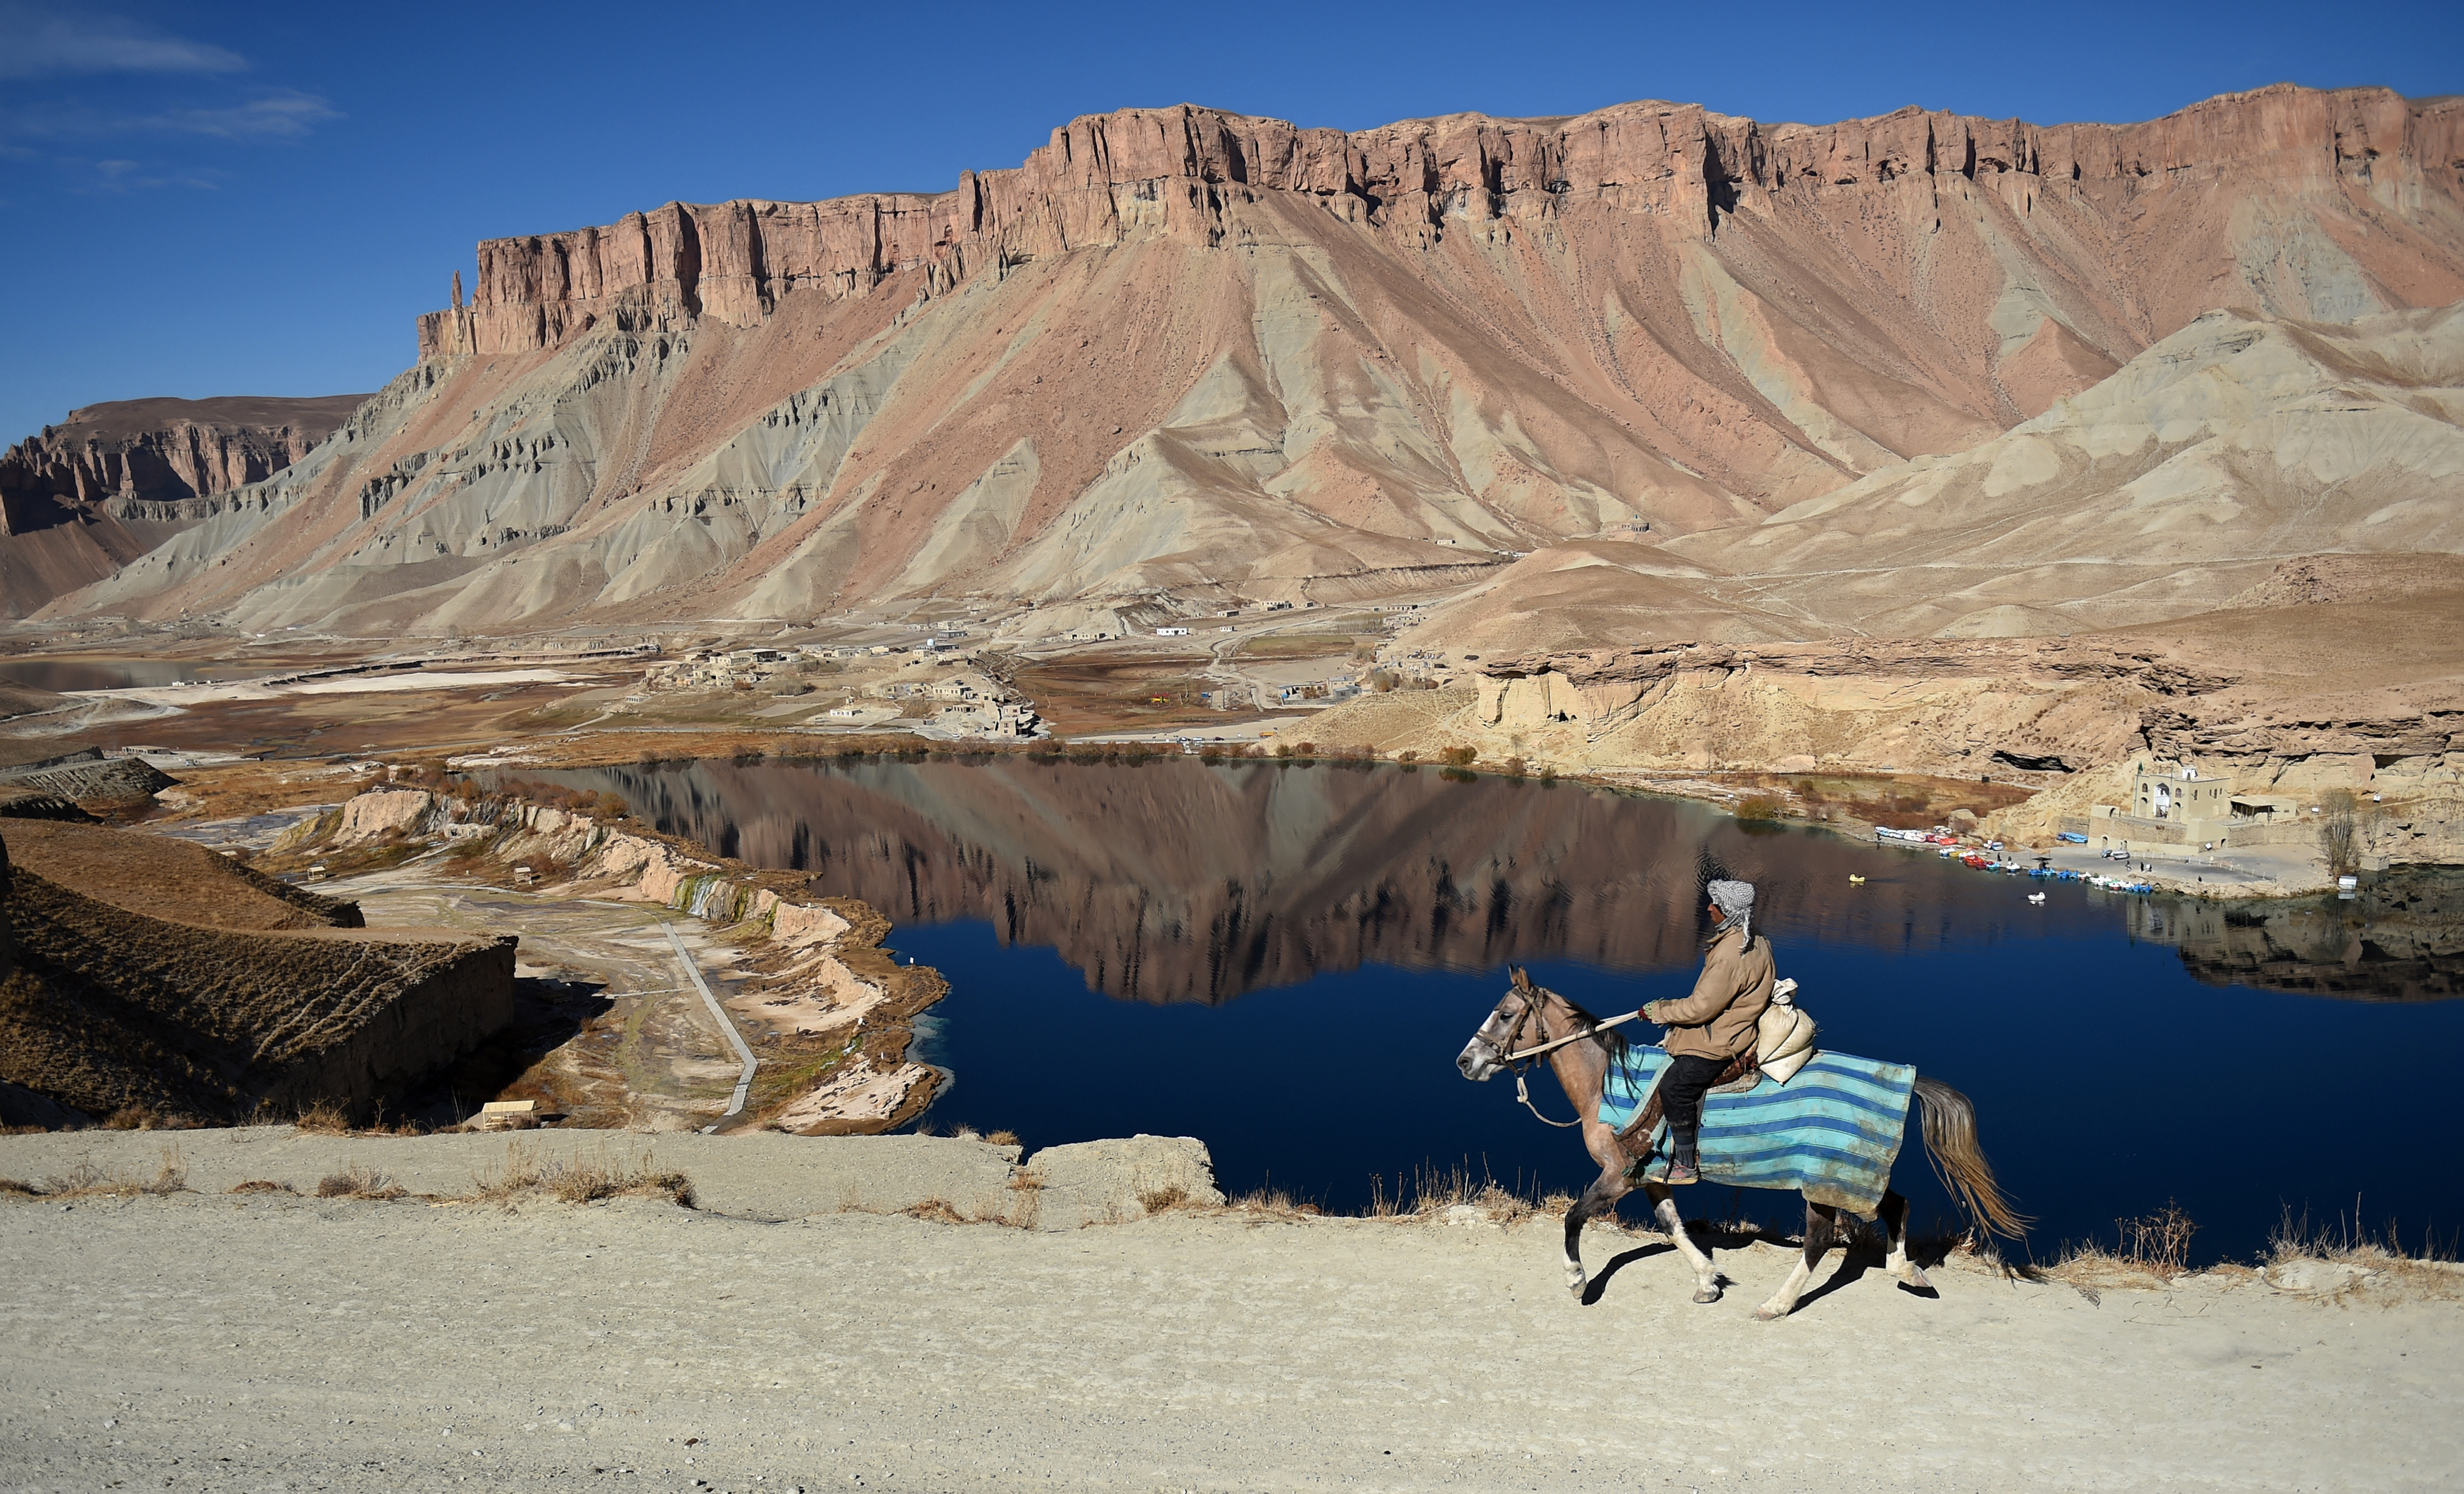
(1710, 1031)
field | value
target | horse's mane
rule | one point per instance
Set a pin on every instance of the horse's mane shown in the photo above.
(1611, 1041)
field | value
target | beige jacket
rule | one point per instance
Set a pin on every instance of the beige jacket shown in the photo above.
(1718, 1020)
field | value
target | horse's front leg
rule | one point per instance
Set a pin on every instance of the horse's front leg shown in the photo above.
(1820, 1222)
(1663, 1208)
(1611, 1185)
(1600, 1195)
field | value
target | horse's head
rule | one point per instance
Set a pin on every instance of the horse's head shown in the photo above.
(1484, 1055)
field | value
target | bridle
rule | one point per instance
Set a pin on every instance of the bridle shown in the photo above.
(1517, 1063)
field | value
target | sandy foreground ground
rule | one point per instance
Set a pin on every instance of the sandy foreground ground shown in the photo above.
(777, 1338)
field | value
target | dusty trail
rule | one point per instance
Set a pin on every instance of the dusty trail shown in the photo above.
(202, 1341)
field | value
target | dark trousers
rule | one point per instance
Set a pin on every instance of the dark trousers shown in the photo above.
(1680, 1093)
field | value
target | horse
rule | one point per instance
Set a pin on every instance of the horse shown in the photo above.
(1543, 1015)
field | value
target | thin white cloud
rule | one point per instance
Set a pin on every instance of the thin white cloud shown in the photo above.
(277, 117)
(36, 42)
(281, 117)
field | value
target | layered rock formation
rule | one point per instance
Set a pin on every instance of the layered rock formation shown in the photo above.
(1195, 354)
(114, 480)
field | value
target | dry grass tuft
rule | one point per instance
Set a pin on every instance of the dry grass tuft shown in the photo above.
(1272, 1203)
(937, 1210)
(324, 1119)
(2380, 1258)
(1433, 1192)
(1158, 1200)
(358, 1181)
(85, 1181)
(528, 1174)
(263, 1185)
(1004, 1138)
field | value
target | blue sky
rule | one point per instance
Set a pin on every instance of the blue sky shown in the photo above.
(208, 199)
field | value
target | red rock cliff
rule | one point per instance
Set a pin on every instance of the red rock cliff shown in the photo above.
(1171, 171)
(165, 449)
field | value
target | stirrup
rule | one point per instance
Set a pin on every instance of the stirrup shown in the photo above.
(1680, 1175)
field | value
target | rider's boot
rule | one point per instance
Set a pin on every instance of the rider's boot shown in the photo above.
(1682, 1166)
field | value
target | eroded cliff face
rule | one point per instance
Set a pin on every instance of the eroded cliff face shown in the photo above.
(86, 497)
(1208, 356)
(1182, 172)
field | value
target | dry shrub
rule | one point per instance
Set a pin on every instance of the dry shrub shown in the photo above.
(1004, 1138)
(1760, 806)
(1157, 1200)
(2160, 1242)
(132, 1117)
(526, 1173)
(358, 1181)
(325, 1118)
(2151, 1249)
(937, 1210)
(1459, 757)
(263, 1185)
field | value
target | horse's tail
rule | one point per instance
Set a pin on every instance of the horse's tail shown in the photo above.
(1950, 1143)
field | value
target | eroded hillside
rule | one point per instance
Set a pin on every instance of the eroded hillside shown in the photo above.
(1203, 356)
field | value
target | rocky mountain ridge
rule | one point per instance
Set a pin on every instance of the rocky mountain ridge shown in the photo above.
(83, 497)
(1198, 357)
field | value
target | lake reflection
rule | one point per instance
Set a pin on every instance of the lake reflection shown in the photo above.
(1282, 959)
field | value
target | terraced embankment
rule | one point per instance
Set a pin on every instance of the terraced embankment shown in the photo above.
(157, 976)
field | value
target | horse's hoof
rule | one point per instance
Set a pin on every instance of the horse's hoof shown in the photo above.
(1767, 1313)
(1916, 1281)
(1708, 1294)
(1574, 1290)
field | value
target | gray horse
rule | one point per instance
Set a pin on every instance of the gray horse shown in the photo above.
(1528, 1016)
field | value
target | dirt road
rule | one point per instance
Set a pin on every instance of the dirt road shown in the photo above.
(208, 1341)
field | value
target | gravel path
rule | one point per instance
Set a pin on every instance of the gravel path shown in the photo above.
(216, 1342)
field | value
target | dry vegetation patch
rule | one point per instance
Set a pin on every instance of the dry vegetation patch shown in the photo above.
(85, 1181)
(359, 1182)
(527, 1173)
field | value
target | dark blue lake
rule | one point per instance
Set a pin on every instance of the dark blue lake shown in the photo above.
(1283, 960)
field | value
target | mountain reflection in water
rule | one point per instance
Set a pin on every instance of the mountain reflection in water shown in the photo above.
(1180, 881)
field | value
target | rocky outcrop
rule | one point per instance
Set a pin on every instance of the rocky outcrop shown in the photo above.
(163, 451)
(2025, 710)
(831, 985)
(85, 496)
(1181, 358)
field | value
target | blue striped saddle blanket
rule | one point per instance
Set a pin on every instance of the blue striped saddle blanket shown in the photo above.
(1831, 1132)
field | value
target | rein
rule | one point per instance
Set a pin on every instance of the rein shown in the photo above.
(1518, 1062)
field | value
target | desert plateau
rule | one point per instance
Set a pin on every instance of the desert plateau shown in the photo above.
(866, 840)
